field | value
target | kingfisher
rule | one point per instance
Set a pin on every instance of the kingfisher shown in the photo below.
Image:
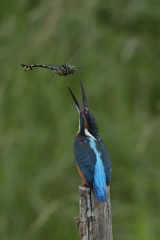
(91, 155)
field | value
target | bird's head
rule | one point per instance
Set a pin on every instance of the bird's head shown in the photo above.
(87, 123)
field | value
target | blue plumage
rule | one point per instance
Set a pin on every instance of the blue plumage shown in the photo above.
(99, 181)
(90, 152)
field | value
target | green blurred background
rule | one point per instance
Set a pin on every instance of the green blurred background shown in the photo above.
(118, 45)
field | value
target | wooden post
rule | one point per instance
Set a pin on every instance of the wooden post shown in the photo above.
(95, 220)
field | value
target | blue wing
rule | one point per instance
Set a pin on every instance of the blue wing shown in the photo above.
(105, 159)
(93, 160)
(85, 158)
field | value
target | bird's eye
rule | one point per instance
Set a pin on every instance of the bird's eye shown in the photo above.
(86, 110)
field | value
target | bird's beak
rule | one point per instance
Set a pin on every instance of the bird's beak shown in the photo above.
(83, 96)
(75, 100)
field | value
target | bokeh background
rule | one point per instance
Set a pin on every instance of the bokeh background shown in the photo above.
(118, 46)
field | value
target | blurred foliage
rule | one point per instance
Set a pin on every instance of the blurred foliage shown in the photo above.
(119, 48)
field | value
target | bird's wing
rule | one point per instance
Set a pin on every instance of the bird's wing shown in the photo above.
(85, 158)
(105, 159)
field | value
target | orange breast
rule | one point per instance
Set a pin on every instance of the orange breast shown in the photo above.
(84, 182)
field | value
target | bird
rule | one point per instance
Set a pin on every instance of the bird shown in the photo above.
(90, 153)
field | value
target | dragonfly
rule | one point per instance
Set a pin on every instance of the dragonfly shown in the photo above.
(62, 70)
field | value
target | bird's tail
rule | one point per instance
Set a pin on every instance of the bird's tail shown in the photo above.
(101, 196)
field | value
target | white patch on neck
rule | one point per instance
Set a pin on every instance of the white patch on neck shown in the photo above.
(88, 134)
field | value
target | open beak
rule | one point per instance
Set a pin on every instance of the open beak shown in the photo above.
(84, 109)
(83, 96)
(75, 100)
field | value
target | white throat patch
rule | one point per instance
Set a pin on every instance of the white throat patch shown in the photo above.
(88, 134)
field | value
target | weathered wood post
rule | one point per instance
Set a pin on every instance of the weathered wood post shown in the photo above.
(95, 220)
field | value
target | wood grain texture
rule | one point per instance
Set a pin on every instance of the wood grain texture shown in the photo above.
(95, 220)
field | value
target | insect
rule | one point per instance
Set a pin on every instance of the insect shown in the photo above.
(62, 70)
